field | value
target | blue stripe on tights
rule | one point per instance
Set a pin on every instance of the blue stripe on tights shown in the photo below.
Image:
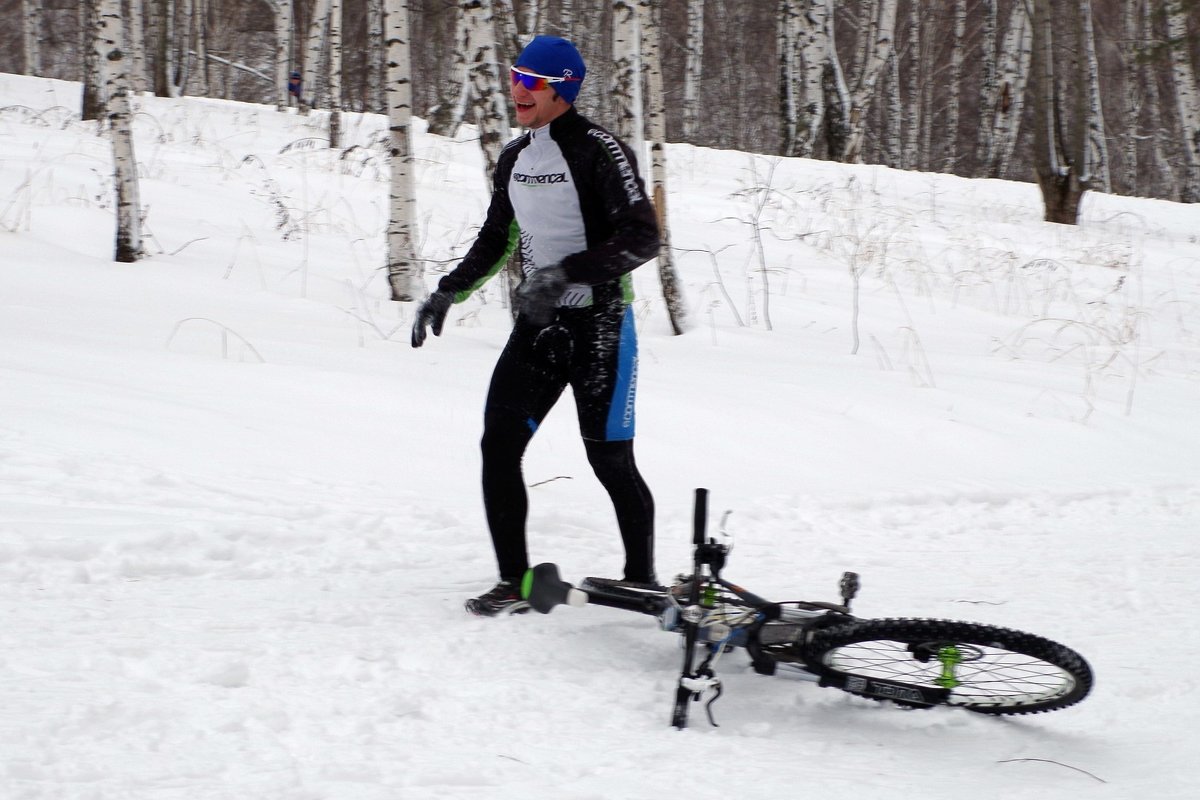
(621, 420)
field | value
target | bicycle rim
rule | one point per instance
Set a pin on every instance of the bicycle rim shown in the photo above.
(982, 668)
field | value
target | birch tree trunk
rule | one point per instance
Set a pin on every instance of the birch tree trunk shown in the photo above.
(693, 72)
(893, 149)
(403, 270)
(136, 50)
(955, 92)
(1095, 163)
(164, 62)
(93, 76)
(877, 47)
(984, 139)
(200, 46)
(1187, 100)
(815, 48)
(656, 120)
(1006, 107)
(314, 50)
(375, 56)
(567, 18)
(31, 18)
(488, 104)
(283, 50)
(109, 36)
(837, 96)
(1130, 50)
(787, 41)
(181, 58)
(335, 73)
(455, 94)
(914, 108)
(1169, 179)
(627, 76)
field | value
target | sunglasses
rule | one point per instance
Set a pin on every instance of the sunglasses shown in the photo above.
(534, 82)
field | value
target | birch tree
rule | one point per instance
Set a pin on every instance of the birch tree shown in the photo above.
(135, 46)
(656, 119)
(403, 270)
(1004, 105)
(987, 79)
(283, 13)
(1187, 99)
(109, 38)
(955, 92)
(200, 45)
(335, 73)
(163, 13)
(375, 56)
(1095, 163)
(93, 103)
(916, 64)
(693, 72)
(626, 77)
(1168, 183)
(314, 49)
(787, 37)
(31, 23)
(454, 95)
(878, 41)
(487, 96)
(815, 48)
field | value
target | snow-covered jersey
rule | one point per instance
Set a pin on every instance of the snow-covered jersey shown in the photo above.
(567, 193)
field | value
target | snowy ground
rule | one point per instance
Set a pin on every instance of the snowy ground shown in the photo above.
(239, 514)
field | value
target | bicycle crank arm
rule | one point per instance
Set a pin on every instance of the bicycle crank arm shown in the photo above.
(544, 589)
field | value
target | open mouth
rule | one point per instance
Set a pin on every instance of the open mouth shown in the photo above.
(524, 106)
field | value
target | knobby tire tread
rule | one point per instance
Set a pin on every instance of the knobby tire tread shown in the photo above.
(907, 630)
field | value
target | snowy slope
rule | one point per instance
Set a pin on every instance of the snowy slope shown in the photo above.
(239, 514)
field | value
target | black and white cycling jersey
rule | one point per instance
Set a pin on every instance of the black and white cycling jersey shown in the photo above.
(568, 194)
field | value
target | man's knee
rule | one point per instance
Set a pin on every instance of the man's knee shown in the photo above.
(505, 433)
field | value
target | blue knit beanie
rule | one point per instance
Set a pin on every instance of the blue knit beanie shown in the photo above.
(555, 57)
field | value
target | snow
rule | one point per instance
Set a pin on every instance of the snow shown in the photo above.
(239, 514)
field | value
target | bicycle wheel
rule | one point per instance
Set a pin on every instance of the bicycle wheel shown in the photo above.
(925, 662)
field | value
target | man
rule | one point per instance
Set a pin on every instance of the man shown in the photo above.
(569, 193)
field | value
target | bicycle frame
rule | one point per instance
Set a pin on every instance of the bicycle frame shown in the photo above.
(911, 661)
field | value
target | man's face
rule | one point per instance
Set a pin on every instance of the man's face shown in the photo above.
(536, 107)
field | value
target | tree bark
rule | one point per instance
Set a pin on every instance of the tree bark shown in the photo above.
(93, 67)
(403, 270)
(656, 121)
(488, 104)
(1008, 103)
(283, 51)
(31, 18)
(877, 46)
(109, 36)
(693, 72)
(627, 76)
(1187, 100)
(335, 73)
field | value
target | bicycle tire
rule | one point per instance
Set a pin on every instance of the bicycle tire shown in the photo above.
(982, 668)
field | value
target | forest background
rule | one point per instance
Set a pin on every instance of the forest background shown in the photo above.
(935, 86)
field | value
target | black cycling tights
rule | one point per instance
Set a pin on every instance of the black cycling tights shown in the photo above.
(506, 504)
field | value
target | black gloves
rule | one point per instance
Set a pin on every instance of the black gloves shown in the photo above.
(538, 296)
(432, 313)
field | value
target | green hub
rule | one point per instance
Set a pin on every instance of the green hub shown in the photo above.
(949, 656)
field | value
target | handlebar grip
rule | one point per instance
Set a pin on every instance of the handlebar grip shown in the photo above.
(701, 516)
